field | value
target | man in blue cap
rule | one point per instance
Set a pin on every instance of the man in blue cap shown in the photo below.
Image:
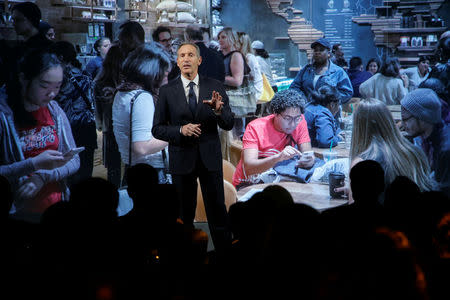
(323, 72)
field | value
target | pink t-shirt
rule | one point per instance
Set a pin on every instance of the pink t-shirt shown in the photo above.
(261, 134)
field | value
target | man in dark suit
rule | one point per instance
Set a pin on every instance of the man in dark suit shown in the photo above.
(189, 123)
(212, 63)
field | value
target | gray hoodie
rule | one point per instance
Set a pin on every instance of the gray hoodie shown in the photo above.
(15, 167)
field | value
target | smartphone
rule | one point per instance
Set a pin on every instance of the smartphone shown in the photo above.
(307, 155)
(72, 152)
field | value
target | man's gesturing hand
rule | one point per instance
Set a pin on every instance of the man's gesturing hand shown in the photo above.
(215, 102)
(191, 130)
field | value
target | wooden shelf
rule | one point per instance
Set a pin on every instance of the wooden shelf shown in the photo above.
(96, 8)
(182, 25)
(416, 49)
(414, 30)
(88, 20)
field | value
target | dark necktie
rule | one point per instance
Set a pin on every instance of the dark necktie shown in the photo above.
(192, 98)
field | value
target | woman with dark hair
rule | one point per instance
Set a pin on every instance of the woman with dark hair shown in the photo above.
(386, 85)
(144, 71)
(105, 86)
(47, 30)
(319, 115)
(34, 134)
(101, 47)
(373, 66)
(75, 98)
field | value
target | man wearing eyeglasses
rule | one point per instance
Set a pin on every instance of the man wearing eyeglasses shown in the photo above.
(422, 120)
(275, 138)
(163, 36)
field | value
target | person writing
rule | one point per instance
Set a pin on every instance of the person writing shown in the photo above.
(189, 123)
(275, 138)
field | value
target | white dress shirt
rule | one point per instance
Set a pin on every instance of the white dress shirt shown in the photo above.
(186, 82)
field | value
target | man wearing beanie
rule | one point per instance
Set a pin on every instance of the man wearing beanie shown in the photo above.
(421, 118)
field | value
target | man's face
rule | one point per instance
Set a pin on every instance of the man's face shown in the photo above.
(320, 54)
(104, 47)
(50, 34)
(165, 39)
(288, 120)
(411, 125)
(188, 61)
(21, 24)
(423, 66)
(338, 52)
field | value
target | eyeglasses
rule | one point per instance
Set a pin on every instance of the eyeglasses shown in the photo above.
(290, 119)
(165, 40)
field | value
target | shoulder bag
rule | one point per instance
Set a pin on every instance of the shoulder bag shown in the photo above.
(125, 201)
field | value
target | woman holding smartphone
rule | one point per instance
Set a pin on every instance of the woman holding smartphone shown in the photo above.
(34, 134)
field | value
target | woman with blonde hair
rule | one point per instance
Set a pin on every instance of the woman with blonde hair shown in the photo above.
(376, 137)
(255, 70)
(236, 69)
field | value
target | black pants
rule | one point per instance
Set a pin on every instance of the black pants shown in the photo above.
(211, 183)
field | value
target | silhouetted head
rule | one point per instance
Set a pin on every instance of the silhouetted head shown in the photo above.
(437, 86)
(96, 199)
(131, 35)
(147, 67)
(356, 63)
(66, 53)
(366, 181)
(390, 67)
(141, 180)
(26, 17)
(401, 194)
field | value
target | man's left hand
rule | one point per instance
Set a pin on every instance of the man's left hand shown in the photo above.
(216, 102)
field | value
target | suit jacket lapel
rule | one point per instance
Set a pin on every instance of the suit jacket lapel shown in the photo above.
(180, 94)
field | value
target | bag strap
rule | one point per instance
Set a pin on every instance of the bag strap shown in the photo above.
(75, 83)
(131, 124)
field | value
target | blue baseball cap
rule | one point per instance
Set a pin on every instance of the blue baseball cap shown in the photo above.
(322, 41)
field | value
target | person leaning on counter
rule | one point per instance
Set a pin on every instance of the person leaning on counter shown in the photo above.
(277, 137)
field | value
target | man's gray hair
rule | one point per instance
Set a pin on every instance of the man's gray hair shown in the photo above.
(193, 45)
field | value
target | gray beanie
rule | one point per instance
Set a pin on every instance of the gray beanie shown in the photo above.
(424, 105)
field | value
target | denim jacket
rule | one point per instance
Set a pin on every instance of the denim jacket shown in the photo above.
(16, 168)
(322, 127)
(334, 76)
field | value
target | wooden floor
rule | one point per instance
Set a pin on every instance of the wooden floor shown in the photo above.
(99, 169)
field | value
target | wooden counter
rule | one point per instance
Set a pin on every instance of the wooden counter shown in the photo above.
(316, 195)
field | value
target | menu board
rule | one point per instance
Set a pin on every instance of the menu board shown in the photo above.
(338, 25)
(334, 18)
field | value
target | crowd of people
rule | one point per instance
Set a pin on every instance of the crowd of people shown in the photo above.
(167, 111)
